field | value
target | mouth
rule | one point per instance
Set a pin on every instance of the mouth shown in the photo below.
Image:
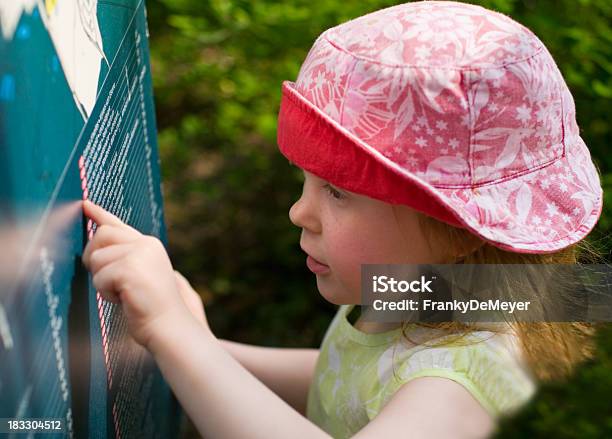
(316, 266)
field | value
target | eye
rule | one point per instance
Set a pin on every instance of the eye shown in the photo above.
(335, 193)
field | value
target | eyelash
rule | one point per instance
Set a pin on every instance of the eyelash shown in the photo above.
(333, 192)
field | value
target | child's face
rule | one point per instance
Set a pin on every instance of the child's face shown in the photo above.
(343, 230)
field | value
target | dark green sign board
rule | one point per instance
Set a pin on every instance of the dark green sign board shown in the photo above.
(76, 121)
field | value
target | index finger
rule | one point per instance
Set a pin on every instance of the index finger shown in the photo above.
(103, 217)
(100, 216)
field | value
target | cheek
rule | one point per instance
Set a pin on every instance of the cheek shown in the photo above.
(378, 241)
(345, 253)
(348, 248)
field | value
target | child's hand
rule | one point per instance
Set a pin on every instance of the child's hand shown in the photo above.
(133, 269)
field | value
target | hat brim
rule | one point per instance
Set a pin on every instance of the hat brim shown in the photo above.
(315, 142)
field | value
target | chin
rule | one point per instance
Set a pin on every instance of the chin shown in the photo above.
(335, 297)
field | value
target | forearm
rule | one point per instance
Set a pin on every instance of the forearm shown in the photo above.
(220, 396)
(286, 371)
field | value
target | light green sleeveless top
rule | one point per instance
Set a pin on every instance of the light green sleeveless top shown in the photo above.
(357, 373)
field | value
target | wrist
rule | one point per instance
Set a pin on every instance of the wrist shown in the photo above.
(178, 329)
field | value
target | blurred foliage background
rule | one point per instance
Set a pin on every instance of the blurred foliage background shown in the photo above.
(217, 69)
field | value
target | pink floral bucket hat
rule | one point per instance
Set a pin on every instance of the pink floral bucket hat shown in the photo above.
(452, 109)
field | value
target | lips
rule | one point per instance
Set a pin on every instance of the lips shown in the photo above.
(316, 266)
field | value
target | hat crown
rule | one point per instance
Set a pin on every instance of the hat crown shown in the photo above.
(453, 93)
(436, 34)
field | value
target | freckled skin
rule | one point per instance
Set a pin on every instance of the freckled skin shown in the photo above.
(346, 232)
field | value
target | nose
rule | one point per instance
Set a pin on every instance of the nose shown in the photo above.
(305, 212)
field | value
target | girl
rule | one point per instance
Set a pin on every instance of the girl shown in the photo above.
(429, 132)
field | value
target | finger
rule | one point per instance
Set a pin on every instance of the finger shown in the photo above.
(107, 281)
(106, 255)
(191, 298)
(99, 215)
(186, 290)
(184, 293)
(181, 280)
(103, 217)
(108, 235)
